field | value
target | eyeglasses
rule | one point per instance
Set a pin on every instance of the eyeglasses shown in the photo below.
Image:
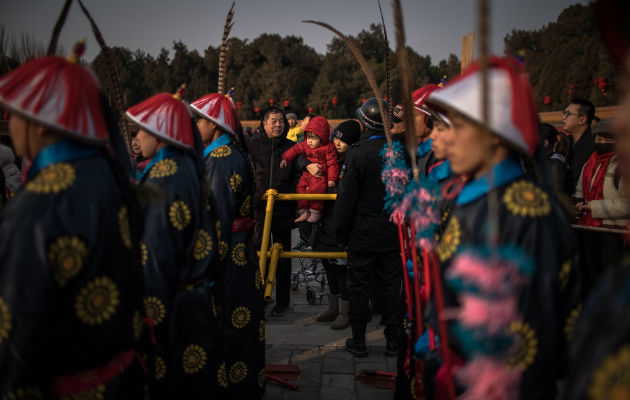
(565, 114)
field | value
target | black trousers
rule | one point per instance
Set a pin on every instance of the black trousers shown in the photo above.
(337, 276)
(363, 269)
(283, 272)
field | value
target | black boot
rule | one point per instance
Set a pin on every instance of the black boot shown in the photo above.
(356, 344)
(392, 336)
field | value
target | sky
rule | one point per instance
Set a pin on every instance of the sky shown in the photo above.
(433, 27)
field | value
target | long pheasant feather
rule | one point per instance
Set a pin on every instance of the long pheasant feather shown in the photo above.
(406, 83)
(388, 68)
(223, 50)
(113, 76)
(366, 70)
(52, 46)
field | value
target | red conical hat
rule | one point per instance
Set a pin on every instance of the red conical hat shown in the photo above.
(218, 109)
(420, 96)
(165, 115)
(512, 112)
(58, 93)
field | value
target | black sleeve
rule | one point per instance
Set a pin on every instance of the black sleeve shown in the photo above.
(346, 200)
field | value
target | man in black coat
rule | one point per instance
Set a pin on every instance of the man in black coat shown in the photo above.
(576, 119)
(267, 148)
(371, 239)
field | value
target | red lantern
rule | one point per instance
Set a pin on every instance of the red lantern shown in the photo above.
(286, 103)
(601, 84)
(271, 101)
(570, 89)
(547, 99)
(334, 100)
(256, 110)
(363, 101)
(310, 110)
(239, 104)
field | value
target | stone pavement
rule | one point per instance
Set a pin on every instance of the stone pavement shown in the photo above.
(327, 371)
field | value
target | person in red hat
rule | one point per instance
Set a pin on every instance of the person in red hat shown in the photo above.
(229, 170)
(504, 213)
(179, 252)
(318, 149)
(70, 309)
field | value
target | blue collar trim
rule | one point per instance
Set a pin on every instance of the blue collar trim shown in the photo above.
(65, 150)
(424, 147)
(164, 152)
(441, 171)
(502, 173)
(218, 142)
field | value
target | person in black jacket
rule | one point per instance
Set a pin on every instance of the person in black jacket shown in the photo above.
(576, 119)
(344, 136)
(371, 239)
(267, 149)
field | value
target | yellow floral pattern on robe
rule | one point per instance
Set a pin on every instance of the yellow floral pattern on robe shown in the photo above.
(194, 359)
(238, 254)
(5, 320)
(203, 245)
(52, 179)
(240, 317)
(163, 168)
(179, 214)
(66, 256)
(222, 378)
(235, 181)
(155, 309)
(246, 207)
(123, 225)
(610, 379)
(97, 301)
(238, 372)
(525, 347)
(221, 151)
(524, 199)
(450, 239)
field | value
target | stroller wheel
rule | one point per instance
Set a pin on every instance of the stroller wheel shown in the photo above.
(310, 296)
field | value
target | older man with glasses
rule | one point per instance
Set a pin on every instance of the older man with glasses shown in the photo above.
(576, 119)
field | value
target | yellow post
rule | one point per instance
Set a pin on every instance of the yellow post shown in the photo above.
(276, 249)
(266, 236)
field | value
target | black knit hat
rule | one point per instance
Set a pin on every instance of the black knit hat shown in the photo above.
(348, 132)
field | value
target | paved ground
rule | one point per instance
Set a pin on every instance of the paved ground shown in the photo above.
(326, 370)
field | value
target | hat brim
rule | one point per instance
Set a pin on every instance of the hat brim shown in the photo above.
(221, 125)
(156, 133)
(366, 122)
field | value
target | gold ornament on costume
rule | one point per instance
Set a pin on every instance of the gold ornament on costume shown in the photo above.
(246, 207)
(194, 359)
(221, 151)
(258, 280)
(144, 254)
(123, 225)
(97, 301)
(238, 254)
(219, 230)
(240, 317)
(261, 331)
(238, 372)
(203, 245)
(450, 239)
(30, 393)
(97, 393)
(179, 214)
(5, 320)
(222, 376)
(565, 274)
(262, 378)
(52, 179)
(525, 345)
(569, 325)
(136, 324)
(163, 168)
(235, 181)
(160, 368)
(223, 249)
(610, 379)
(155, 309)
(524, 199)
(66, 256)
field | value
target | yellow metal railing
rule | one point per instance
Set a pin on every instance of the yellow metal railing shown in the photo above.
(276, 252)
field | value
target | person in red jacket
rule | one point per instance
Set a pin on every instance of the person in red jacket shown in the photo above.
(318, 149)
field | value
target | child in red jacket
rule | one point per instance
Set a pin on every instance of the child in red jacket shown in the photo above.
(317, 148)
